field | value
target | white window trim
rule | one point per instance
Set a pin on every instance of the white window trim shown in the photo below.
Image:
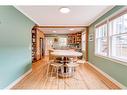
(84, 32)
(108, 57)
(95, 45)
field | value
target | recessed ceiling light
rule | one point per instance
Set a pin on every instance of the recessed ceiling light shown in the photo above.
(64, 10)
(54, 31)
(71, 29)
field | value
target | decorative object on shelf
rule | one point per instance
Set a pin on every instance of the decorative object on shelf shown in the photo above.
(74, 38)
(90, 37)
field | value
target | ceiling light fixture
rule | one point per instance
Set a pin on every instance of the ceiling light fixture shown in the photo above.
(54, 31)
(64, 10)
(71, 29)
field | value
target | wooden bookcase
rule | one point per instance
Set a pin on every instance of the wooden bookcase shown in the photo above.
(74, 38)
(34, 42)
(37, 44)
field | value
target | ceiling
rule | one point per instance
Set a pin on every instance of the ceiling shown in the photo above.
(61, 30)
(51, 16)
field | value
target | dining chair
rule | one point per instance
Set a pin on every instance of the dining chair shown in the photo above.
(73, 67)
(80, 61)
(55, 69)
(52, 67)
(46, 76)
(72, 70)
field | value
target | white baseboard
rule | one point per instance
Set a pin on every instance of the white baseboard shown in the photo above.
(17, 80)
(108, 76)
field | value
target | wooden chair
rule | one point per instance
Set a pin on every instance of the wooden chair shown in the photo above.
(80, 61)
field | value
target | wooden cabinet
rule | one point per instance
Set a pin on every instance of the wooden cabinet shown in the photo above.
(74, 41)
(37, 44)
(74, 38)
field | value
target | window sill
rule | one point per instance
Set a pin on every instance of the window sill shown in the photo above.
(112, 59)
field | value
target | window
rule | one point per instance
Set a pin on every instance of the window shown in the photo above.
(83, 41)
(111, 41)
(63, 41)
(118, 37)
(101, 39)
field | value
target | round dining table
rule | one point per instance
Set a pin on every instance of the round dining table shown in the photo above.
(65, 54)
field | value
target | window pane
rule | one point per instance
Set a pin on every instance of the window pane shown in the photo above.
(119, 46)
(96, 33)
(83, 41)
(102, 47)
(101, 31)
(118, 25)
(125, 23)
(63, 42)
(101, 40)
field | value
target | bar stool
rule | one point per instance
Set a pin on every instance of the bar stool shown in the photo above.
(73, 67)
(46, 77)
(81, 61)
(55, 69)
(52, 67)
(71, 71)
(48, 66)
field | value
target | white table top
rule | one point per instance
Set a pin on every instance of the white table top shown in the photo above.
(66, 53)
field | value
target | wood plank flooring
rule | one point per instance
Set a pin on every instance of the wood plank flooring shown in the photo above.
(84, 79)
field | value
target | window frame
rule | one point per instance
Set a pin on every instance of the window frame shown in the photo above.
(95, 39)
(60, 42)
(83, 41)
(109, 57)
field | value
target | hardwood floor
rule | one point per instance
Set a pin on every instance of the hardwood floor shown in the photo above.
(84, 79)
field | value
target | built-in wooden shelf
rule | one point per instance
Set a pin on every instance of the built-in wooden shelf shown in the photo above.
(74, 38)
(34, 42)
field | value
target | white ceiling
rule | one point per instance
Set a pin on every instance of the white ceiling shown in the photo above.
(50, 15)
(60, 30)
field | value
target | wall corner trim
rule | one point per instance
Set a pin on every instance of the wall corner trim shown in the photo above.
(108, 76)
(17, 80)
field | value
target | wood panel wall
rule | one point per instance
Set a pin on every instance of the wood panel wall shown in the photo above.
(40, 34)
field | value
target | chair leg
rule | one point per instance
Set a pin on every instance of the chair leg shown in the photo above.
(57, 77)
(75, 72)
(66, 77)
(46, 76)
(76, 77)
(47, 70)
(63, 79)
(51, 75)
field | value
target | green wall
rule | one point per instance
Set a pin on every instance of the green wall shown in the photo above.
(15, 43)
(115, 70)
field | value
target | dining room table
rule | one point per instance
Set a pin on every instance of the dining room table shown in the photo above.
(67, 57)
